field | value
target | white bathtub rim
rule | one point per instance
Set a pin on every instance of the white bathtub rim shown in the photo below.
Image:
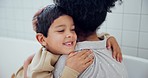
(20, 40)
(135, 58)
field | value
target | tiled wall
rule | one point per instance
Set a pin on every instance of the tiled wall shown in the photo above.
(128, 23)
(16, 17)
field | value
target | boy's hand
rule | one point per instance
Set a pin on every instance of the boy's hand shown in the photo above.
(112, 44)
(79, 61)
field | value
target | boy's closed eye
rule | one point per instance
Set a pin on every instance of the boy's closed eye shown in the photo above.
(60, 30)
(64, 30)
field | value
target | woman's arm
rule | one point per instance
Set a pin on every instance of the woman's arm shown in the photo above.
(112, 44)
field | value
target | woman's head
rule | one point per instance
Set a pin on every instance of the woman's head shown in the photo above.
(88, 15)
(55, 30)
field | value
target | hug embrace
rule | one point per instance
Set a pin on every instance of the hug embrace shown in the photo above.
(71, 48)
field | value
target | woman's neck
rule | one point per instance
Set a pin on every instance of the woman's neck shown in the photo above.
(92, 37)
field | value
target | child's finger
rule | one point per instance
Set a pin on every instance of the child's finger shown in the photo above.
(86, 54)
(120, 57)
(108, 44)
(72, 54)
(83, 53)
(89, 63)
(114, 54)
(89, 58)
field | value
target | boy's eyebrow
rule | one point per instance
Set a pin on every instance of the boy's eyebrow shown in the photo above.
(59, 26)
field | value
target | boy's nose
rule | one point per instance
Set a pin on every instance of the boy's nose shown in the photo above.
(68, 36)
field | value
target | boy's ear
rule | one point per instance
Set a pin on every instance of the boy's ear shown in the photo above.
(41, 39)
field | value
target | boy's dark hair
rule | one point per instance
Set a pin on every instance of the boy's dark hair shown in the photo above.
(47, 17)
(88, 15)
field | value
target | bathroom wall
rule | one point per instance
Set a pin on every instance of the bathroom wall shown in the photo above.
(16, 17)
(128, 23)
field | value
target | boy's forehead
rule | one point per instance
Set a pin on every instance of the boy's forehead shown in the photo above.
(62, 21)
(63, 25)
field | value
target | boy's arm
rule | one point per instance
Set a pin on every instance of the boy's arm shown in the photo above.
(69, 73)
(42, 65)
(76, 63)
(42, 72)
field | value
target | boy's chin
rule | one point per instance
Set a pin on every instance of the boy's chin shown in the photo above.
(68, 51)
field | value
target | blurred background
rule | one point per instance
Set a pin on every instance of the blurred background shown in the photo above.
(128, 23)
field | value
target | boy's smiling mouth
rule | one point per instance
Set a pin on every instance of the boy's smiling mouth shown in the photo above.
(69, 43)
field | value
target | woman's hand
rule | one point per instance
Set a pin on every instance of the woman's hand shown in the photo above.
(112, 44)
(79, 61)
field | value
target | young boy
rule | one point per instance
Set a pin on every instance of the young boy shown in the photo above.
(88, 15)
(56, 33)
(52, 30)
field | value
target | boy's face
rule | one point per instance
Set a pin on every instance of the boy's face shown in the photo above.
(61, 37)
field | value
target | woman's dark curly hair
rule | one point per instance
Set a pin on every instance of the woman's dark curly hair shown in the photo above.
(88, 15)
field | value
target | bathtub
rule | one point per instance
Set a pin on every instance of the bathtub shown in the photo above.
(13, 52)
